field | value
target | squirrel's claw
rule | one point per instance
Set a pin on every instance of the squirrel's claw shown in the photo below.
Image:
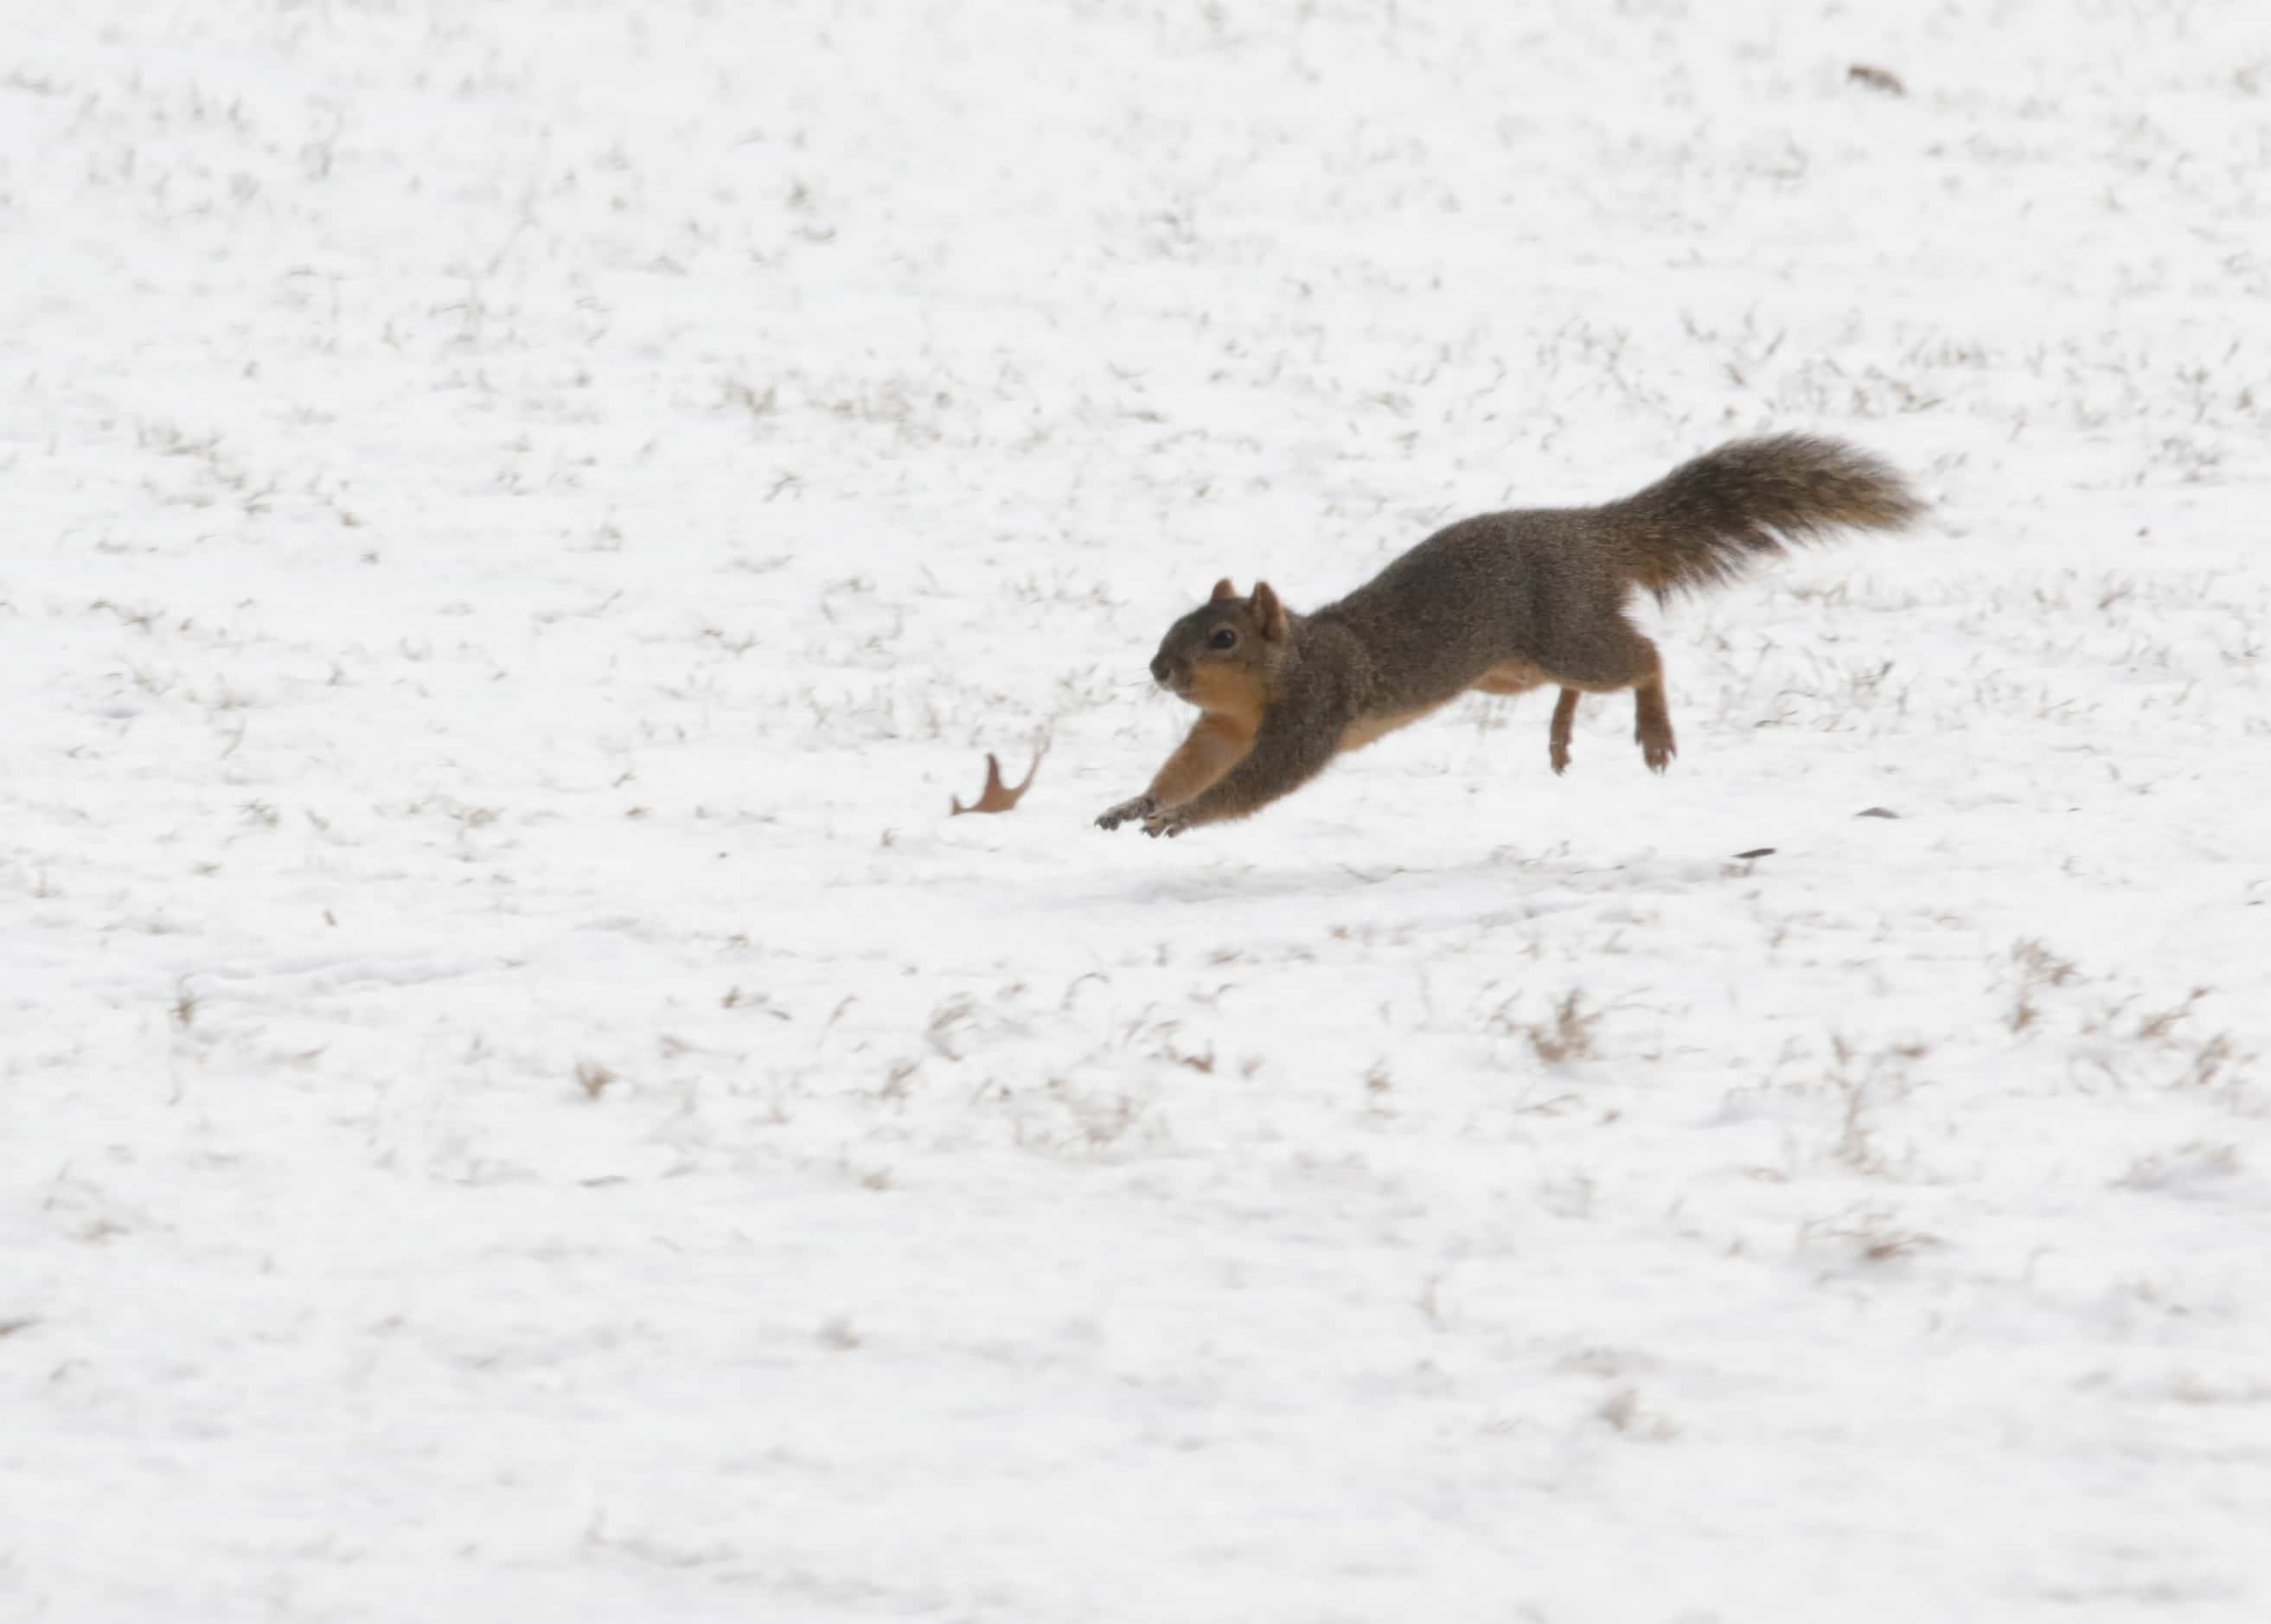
(1656, 745)
(1170, 823)
(1143, 806)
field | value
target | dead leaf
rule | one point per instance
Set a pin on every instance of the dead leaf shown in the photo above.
(998, 796)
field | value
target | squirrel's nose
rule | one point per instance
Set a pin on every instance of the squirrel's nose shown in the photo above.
(1160, 669)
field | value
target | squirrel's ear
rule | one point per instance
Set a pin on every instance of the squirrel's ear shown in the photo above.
(1222, 589)
(1267, 613)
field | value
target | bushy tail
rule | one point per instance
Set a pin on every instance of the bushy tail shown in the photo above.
(1708, 520)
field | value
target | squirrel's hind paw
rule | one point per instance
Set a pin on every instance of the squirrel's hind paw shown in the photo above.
(1658, 748)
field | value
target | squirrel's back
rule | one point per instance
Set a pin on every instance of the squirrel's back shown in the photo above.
(1528, 583)
(1476, 593)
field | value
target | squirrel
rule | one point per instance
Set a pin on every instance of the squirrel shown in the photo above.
(1497, 604)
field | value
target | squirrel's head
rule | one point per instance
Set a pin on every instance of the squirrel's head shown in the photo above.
(1227, 654)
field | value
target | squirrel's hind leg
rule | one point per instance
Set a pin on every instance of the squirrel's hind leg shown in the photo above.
(1519, 676)
(1557, 745)
(1618, 657)
(1652, 723)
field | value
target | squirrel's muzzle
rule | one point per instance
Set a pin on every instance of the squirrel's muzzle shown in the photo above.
(1162, 668)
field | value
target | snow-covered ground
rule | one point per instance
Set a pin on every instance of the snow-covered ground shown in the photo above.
(516, 1102)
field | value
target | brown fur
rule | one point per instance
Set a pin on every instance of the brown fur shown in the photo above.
(1511, 676)
(1216, 744)
(1499, 604)
(1708, 520)
(1364, 729)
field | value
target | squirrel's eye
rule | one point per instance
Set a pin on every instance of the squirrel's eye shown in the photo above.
(1223, 638)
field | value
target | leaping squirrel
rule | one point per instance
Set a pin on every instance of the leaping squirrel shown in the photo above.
(1497, 604)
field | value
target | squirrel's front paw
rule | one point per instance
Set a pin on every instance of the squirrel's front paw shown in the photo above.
(1143, 806)
(1170, 823)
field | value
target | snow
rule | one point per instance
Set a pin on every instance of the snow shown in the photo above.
(515, 1100)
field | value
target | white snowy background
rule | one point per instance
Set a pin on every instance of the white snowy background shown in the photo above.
(517, 1103)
